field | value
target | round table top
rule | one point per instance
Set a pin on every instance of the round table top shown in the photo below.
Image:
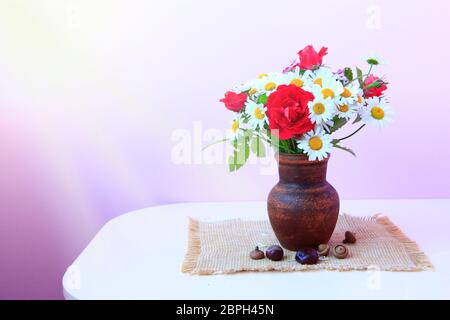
(138, 255)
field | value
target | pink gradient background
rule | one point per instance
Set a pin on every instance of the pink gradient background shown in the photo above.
(91, 91)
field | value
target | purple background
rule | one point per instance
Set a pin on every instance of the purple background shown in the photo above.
(92, 91)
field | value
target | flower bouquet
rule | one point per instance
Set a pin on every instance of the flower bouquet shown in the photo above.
(297, 111)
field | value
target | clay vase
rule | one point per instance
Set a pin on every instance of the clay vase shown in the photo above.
(303, 207)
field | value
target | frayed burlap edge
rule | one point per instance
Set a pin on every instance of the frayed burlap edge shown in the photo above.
(194, 247)
(412, 248)
(421, 261)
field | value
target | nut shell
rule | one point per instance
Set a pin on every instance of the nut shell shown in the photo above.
(257, 254)
(323, 250)
(275, 253)
(307, 256)
(340, 251)
(349, 237)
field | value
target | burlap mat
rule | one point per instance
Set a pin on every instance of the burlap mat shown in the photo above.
(224, 246)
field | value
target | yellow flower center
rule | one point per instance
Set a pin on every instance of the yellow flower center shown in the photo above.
(318, 81)
(318, 108)
(377, 113)
(262, 75)
(270, 86)
(359, 99)
(346, 93)
(297, 82)
(252, 91)
(259, 114)
(235, 126)
(343, 108)
(315, 143)
(327, 93)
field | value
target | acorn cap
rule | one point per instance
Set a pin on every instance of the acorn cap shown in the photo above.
(323, 250)
(340, 251)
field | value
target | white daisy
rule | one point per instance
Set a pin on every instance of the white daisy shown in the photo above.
(243, 87)
(330, 88)
(317, 77)
(235, 131)
(257, 114)
(360, 101)
(267, 83)
(346, 111)
(320, 109)
(316, 144)
(248, 87)
(349, 94)
(377, 112)
(296, 78)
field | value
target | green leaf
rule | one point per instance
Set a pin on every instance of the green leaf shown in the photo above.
(258, 147)
(338, 123)
(348, 73)
(375, 84)
(241, 153)
(235, 162)
(344, 148)
(232, 162)
(262, 99)
(372, 61)
(360, 76)
(245, 118)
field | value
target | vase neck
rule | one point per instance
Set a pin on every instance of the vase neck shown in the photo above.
(298, 169)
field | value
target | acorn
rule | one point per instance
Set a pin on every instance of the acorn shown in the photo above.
(349, 237)
(323, 250)
(274, 253)
(257, 254)
(340, 251)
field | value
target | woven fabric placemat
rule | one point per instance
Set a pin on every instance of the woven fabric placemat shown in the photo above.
(223, 247)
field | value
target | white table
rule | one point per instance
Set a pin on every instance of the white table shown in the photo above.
(138, 256)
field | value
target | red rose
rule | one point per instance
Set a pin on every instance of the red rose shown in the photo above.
(309, 58)
(287, 110)
(373, 92)
(234, 101)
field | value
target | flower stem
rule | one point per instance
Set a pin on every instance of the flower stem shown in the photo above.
(368, 73)
(350, 135)
(292, 143)
(364, 75)
(214, 143)
(264, 138)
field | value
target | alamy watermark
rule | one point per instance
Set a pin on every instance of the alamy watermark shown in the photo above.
(373, 21)
(209, 146)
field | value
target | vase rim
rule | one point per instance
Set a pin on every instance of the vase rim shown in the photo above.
(299, 158)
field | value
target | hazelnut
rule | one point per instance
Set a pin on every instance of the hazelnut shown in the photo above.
(349, 237)
(307, 256)
(274, 253)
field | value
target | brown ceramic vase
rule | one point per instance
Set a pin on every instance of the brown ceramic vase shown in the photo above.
(303, 207)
